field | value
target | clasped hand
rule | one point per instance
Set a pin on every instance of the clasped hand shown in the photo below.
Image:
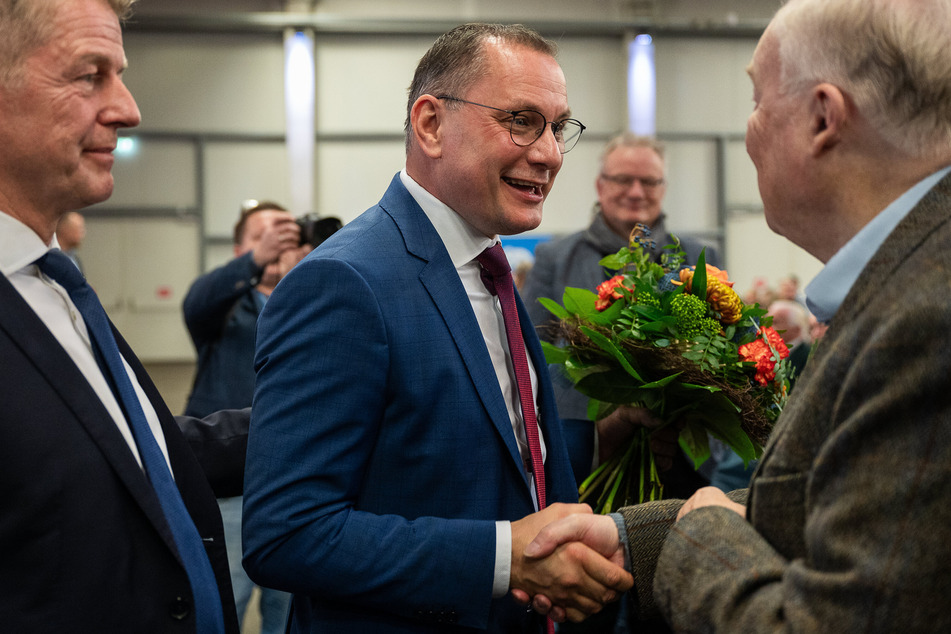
(579, 576)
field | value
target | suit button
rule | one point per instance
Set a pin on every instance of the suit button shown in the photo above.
(180, 609)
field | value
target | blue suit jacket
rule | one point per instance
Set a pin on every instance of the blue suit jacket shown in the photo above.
(381, 453)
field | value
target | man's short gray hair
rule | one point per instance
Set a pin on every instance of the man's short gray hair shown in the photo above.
(457, 59)
(629, 139)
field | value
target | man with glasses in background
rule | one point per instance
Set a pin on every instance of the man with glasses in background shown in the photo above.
(405, 445)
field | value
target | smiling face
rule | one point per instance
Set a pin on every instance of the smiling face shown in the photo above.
(59, 120)
(494, 184)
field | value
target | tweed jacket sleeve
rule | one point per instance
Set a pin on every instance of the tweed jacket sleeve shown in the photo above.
(647, 527)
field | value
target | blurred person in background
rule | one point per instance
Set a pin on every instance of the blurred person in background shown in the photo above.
(221, 312)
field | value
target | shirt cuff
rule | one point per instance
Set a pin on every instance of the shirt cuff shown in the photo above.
(503, 559)
(622, 536)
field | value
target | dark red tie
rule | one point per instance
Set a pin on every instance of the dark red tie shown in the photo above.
(497, 277)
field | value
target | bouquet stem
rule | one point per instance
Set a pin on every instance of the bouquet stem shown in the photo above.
(612, 484)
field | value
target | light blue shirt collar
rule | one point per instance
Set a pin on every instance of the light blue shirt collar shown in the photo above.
(826, 292)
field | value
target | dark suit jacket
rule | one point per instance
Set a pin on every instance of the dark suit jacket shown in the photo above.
(221, 315)
(83, 543)
(850, 508)
(381, 453)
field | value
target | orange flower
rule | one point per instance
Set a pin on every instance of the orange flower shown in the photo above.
(720, 294)
(724, 301)
(713, 273)
(765, 355)
(609, 291)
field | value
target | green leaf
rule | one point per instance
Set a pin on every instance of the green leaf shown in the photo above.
(660, 382)
(699, 285)
(613, 262)
(607, 316)
(554, 308)
(695, 443)
(608, 346)
(721, 420)
(554, 355)
(579, 301)
(694, 386)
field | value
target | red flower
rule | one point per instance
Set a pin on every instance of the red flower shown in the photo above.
(765, 351)
(610, 291)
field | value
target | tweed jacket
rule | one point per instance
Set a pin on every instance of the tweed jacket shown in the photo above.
(849, 521)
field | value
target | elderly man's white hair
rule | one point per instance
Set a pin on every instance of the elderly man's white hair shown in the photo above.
(896, 71)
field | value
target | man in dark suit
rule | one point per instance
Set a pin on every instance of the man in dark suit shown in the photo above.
(387, 484)
(86, 538)
(847, 523)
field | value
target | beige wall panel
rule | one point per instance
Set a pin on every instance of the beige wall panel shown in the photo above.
(702, 84)
(691, 200)
(353, 176)
(596, 74)
(741, 185)
(159, 174)
(142, 269)
(208, 83)
(362, 83)
(754, 251)
(235, 172)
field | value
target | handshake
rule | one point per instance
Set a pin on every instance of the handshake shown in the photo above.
(567, 562)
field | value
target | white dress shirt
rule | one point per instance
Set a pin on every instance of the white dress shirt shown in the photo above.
(20, 247)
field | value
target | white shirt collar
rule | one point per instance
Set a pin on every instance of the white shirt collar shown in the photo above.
(20, 246)
(463, 241)
(826, 292)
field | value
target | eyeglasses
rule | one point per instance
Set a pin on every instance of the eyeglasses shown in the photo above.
(527, 126)
(626, 180)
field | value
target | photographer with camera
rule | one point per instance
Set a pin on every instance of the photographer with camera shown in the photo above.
(221, 312)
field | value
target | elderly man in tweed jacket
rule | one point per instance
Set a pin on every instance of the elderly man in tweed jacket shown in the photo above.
(847, 523)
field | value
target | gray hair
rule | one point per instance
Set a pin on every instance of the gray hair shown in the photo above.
(629, 139)
(457, 59)
(27, 25)
(893, 58)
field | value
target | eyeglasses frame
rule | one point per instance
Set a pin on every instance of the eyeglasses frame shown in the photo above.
(646, 183)
(514, 113)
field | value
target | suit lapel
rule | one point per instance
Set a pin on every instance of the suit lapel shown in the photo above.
(30, 334)
(438, 276)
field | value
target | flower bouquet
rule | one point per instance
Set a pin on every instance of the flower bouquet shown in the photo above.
(678, 341)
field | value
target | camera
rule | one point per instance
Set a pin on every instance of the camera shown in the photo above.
(314, 229)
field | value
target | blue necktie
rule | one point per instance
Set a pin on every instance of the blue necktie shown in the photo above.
(208, 612)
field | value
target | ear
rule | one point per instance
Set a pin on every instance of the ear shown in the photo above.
(426, 118)
(830, 114)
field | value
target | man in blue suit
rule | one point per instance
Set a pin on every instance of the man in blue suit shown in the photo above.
(386, 482)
